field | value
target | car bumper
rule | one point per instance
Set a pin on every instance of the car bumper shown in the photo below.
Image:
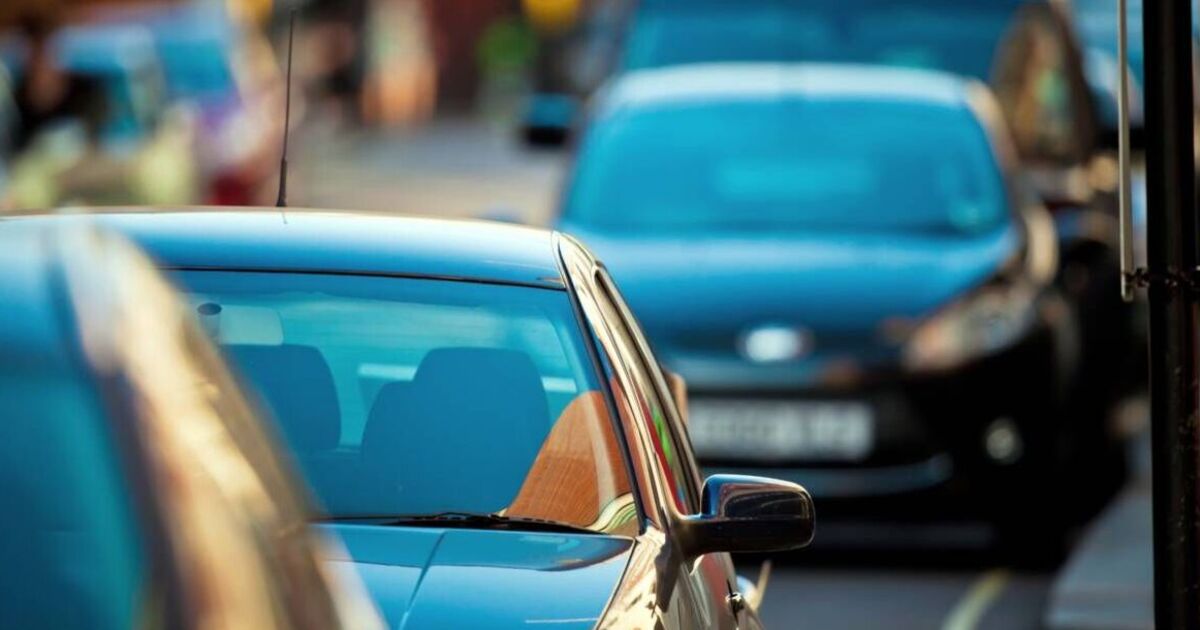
(931, 436)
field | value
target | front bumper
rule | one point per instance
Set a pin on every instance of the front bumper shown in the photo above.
(931, 436)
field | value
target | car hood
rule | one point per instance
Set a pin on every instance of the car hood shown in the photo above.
(696, 297)
(424, 578)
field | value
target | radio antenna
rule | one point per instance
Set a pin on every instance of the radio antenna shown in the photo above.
(281, 200)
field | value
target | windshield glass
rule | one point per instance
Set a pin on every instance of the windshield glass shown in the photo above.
(769, 166)
(955, 36)
(413, 396)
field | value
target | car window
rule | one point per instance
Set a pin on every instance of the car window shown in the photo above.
(672, 453)
(71, 553)
(773, 165)
(402, 396)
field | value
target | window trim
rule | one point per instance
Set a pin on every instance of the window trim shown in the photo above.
(652, 367)
(565, 248)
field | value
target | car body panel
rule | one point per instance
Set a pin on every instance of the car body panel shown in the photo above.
(291, 239)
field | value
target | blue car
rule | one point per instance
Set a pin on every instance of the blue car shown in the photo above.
(139, 490)
(478, 413)
(842, 263)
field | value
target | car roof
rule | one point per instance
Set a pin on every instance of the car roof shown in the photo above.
(322, 241)
(716, 83)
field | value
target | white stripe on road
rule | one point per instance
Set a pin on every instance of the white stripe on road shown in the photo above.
(969, 610)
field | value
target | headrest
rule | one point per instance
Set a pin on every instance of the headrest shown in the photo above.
(507, 374)
(478, 405)
(297, 387)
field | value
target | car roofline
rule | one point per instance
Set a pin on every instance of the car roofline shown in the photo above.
(103, 214)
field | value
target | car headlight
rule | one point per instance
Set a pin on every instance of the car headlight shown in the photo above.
(989, 320)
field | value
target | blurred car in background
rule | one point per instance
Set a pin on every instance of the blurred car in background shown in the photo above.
(225, 71)
(474, 405)
(845, 266)
(141, 491)
(143, 149)
(1025, 50)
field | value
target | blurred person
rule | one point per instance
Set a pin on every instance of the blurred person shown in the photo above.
(456, 27)
(505, 52)
(401, 79)
(337, 31)
(46, 93)
(132, 145)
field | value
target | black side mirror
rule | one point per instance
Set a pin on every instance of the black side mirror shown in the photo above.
(741, 513)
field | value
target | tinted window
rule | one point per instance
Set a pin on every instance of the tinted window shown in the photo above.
(407, 396)
(70, 554)
(938, 34)
(777, 165)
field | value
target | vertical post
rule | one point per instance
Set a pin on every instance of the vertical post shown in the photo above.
(1172, 258)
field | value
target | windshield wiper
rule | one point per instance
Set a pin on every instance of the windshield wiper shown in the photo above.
(466, 520)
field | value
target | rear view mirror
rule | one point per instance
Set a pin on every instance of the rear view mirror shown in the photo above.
(740, 513)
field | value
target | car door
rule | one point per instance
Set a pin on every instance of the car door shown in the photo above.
(706, 585)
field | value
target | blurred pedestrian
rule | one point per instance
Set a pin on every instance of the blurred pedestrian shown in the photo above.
(47, 95)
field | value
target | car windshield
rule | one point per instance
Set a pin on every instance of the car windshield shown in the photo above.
(769, 166)
(403, 396)
(950, 35)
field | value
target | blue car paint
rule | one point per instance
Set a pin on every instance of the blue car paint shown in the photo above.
(418, 576)
(338, 242)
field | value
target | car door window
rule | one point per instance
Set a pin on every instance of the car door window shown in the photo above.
(673, 453)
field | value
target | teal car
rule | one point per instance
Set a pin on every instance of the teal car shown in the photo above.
(479, 415)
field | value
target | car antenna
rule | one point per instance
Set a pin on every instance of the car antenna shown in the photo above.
(281, 200)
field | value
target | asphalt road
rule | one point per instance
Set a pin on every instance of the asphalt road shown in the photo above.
(472, 169)
(854, 592)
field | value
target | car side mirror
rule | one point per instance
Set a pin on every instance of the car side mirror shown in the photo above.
(679, 392)
(740, 513)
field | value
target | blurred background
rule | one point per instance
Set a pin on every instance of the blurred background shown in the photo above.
(523, 110)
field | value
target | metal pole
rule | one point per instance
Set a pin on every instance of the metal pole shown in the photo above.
(1172, 258)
